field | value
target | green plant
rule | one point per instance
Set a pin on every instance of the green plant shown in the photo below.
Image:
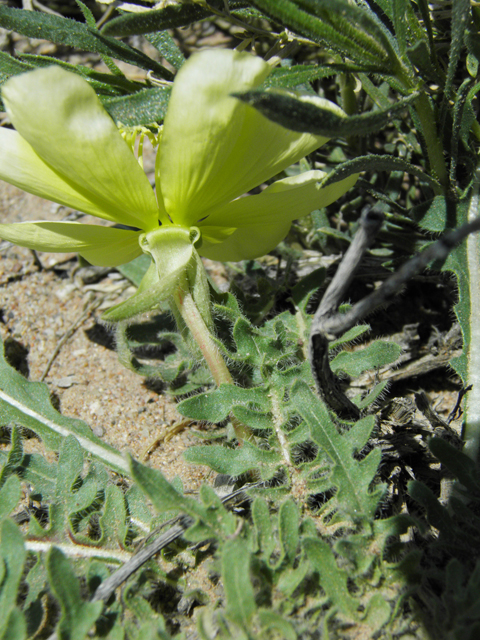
(336, 538)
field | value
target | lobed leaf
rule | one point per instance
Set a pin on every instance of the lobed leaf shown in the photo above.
(78, 616)
(236, 581)
(12, 559)
(234, 462)
(28, 404)
(377, 354)
(332, 578)
(352, 478)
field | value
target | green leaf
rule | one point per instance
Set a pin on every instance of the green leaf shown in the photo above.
(12, 559)
(10, 495)
(41, 474)
(352, 478)
(28, 404)
(353, 334)
(105, 84)
(216, 405)
(16, 628)
(233, 462)
(113, 521)
(265, 542)
(377, 354)
(10, 66)
(377, 612)
(434, 215)
(15, 456)
(304, 115)
(237, 584)
(167, 47)
(270, 620)
(290, 77)
(74, 34)
(332, 579)
(171, 17)
(289, 522)
(437, 514)
(460, 17)
(306, 286)
(460, 465)
(400, 22)
(464, 261)
(78, 617)
(92, 24)
(376, 163)
(136, 269)
(419, 55)
(141, 108)
(163, 495)
(344, 27)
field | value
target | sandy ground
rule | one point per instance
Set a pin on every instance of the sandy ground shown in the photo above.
(39, 306)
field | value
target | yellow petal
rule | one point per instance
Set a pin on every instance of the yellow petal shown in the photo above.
(246, 244)
(22, 167)
(61, 118)
(214, 147)
(263, 220)
(101, 246)
(286, 199)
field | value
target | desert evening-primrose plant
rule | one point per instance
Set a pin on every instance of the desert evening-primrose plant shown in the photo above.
(213, 149)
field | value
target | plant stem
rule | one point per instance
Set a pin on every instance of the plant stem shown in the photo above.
(471, 428)
(193, 319)
(432, 139)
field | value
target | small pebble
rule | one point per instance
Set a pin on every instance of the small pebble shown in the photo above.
(65, 383)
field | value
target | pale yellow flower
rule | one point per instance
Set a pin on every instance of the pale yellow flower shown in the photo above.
(214, 149)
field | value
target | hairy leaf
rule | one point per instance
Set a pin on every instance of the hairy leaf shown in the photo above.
(342, 26)
(12, 558)
(303, 114)
(78, 616)
(332, 578)
(74, 34)
(141, 108)
(351, 477)
(377, 354)
(236, 580)
(28, 404)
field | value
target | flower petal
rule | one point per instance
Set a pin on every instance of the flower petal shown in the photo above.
(286, 199)
(246, 244)
(22, 167)
(61, 118)
(262, 221)
(214, 147)
(101, 246)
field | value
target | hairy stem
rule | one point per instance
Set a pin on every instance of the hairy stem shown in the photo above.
(432, 139)
(192, 317)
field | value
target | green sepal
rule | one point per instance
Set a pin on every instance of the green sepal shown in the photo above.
(175, 264)
(302, 114)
